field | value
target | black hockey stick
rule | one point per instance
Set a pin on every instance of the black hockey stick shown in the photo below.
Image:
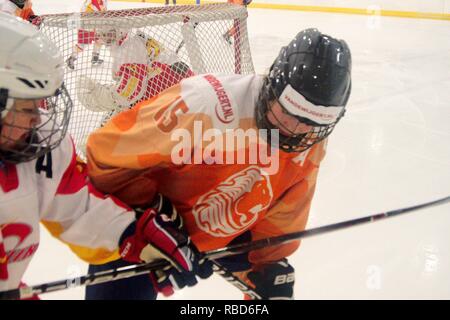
(235, 281)
(273, 241)
(135, 270)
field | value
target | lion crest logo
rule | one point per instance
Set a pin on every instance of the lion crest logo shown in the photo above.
(234, 204)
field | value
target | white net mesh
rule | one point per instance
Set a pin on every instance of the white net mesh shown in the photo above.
(116, 58)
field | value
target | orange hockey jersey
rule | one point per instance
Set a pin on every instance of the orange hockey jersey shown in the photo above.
(181, 143)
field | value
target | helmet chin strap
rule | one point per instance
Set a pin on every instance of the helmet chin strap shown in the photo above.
(5, 103)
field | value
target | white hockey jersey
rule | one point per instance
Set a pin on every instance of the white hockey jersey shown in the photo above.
(54, 190)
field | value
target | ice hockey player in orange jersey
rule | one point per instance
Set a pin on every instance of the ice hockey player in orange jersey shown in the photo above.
(237, 155)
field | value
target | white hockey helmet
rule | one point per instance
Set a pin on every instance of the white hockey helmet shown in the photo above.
(31, 67)
(30, 64)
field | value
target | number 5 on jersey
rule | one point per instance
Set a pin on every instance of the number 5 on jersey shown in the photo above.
(167, 117)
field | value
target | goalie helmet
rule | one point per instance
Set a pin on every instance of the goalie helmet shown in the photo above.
(31, 71)
(154, 48)
(311, 80)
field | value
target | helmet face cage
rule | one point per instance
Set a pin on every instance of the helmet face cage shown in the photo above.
(294, 142)
(54, 113)
(310, 74)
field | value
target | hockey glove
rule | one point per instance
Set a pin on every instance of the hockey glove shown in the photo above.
(97, 97)
(274, 281)
(158, 234)
(170, 279)
(165, 281)
(156, 237)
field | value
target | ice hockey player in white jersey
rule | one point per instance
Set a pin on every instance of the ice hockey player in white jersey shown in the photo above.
(40, 177)
(86, 37)
(142, 68)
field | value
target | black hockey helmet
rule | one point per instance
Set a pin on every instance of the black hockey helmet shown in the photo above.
(315, 69)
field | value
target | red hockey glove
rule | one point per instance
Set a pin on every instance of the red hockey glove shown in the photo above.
(158, 234)
(156, 237)
(165, 281)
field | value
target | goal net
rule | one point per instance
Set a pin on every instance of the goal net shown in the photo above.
(117, 58)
